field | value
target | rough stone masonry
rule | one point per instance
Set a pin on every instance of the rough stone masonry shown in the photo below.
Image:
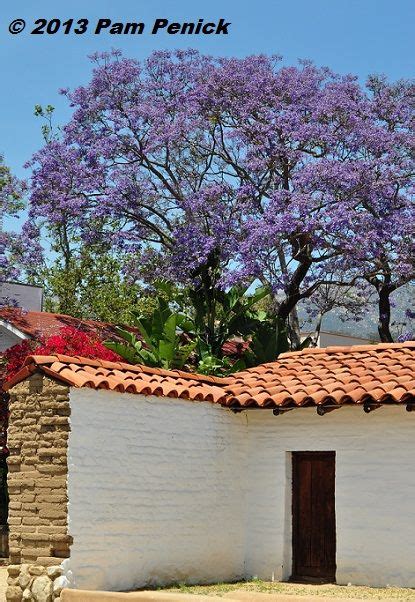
(37, 481)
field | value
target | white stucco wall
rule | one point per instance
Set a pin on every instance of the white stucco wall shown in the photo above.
(156, 491)
(330, 339)
(375, 491)
(168, 491)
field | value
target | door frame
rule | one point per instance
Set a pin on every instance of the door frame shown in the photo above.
(294, 514)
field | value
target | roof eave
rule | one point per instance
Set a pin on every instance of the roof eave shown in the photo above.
(21, 334)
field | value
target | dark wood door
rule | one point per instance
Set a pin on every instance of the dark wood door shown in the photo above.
(314, 519)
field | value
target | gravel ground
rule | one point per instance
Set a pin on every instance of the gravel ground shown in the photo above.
(294, 589)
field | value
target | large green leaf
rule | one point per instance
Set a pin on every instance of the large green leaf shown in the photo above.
(125, 351)
(169, 328)
(182, 354)
(143, 326)
(166, 351)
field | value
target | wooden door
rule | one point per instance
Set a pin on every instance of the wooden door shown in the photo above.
(314, 520)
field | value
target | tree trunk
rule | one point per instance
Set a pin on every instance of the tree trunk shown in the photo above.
(294, 329)
(315, 337)
(204, 300)
(384, 307)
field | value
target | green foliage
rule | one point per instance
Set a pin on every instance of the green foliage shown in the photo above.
(162, 335)
(232, 317)
(236, 315)
(46, 113)
(163, 330)
(209, 364)
(89, 285)
(269, 339)
(14, 201)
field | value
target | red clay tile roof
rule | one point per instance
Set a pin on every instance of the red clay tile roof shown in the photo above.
(383, 373)
(36, 324)
(100, 374)
(234, 348)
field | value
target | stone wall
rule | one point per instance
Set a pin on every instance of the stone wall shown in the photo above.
(35, 582)
(37, 480)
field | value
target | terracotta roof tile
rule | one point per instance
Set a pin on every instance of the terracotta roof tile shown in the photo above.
(335, 375)
(383, 373)
(36, 324)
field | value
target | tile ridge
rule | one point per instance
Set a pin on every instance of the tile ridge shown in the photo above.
(41, 360)
(344, 349)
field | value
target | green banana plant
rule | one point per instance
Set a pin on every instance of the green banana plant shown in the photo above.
(161, 344)
(269, 338)
(231, 317)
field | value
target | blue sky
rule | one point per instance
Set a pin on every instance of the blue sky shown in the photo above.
(358, 36)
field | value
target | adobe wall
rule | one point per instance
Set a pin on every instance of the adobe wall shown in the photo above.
(37, 481)
(156, 489)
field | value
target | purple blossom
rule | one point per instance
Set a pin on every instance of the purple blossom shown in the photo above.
(241, 169)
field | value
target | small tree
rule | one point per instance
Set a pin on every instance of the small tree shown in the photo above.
(11, 203)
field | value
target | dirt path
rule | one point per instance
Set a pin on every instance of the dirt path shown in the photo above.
(3, 583)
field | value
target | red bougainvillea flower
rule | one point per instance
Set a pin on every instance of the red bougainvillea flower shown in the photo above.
(14, 357)
(69, 341)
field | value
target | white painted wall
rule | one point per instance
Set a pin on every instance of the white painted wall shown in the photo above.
(156, 491)
(169, 490)
(330, 339)
(375, 491)
(28, 297)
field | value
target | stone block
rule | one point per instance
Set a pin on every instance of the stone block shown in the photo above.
(59, 584)
(53, 421)
(30, 520)
(52, 530)
(14, 460)
(24, 580)
(51, 482)
(35, 537)
(47, 560)
(36, 570)
(27, 497)
(52, 451)
(64, 538)
(42, 589)
(52, 498)
(14, 520)
(54, 571)
(13, 570)
(30, 553)
(52, 511)
(51, 469)
(14, 468)
(14, 594)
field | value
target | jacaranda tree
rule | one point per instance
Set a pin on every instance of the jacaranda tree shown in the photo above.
(211, 172)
